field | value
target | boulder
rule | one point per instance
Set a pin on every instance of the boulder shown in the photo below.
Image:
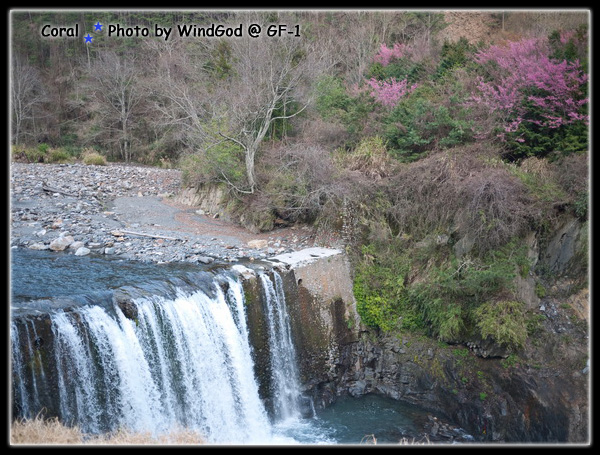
(76, 245)
(205, 259)
(127, 306)
(258, 244)
(61, 243)
(567, 249)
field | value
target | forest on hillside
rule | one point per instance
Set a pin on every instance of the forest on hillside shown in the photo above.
(433, 150)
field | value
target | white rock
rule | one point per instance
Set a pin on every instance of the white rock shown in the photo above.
(82, 251)
(76, 245)
(61, 243)
(257, 244)
(244, 271)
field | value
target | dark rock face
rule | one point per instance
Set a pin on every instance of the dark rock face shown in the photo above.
(562, 254)
(127, 306)
(258, 335)
(37, 340)
(533, 399)
(319, 319)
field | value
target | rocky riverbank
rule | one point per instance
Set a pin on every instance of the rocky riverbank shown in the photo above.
(128, 211)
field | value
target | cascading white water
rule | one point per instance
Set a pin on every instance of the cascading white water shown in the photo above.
(184, 362)
(284, 369)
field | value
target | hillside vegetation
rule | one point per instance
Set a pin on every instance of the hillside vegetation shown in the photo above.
(433, 153)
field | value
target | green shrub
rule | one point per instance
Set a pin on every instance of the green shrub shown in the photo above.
(454, 54)
(380, 292)
(94, 158)
(540, 290)
(34, 155)
(370, 157)
(288, 194)
(534, 138)
(332, 99)
(447, 317)
(504, 321)
(219, 163)
(43, 148)
(334, 103)
(450, 294)
(424, 122)
(399, 69)
(509, 362)
(58, 155)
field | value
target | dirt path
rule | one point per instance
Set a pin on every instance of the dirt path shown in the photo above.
(168, 217)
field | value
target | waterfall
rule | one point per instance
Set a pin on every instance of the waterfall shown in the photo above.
(284, 369)
(27, 396)
(183, 361)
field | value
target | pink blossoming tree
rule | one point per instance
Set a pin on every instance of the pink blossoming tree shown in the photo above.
(389, 92)
(524, 79)
(386, 54)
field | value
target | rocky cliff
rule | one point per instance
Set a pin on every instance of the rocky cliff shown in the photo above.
(538, 394)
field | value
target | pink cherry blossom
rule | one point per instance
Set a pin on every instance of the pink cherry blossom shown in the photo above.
(386, 54)
(391, 91)
(523, 67)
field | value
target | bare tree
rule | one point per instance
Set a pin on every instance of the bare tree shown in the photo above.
(180, 89)
(271, 82)
(116, 93)
(27, 93)
(361, 42)
(357, 37)
(234, 90)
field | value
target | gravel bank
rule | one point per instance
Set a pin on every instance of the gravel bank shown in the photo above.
(128, 211)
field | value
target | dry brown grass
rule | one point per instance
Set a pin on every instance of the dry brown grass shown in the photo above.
(52, 432)
(460, 189)
(39, 431)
